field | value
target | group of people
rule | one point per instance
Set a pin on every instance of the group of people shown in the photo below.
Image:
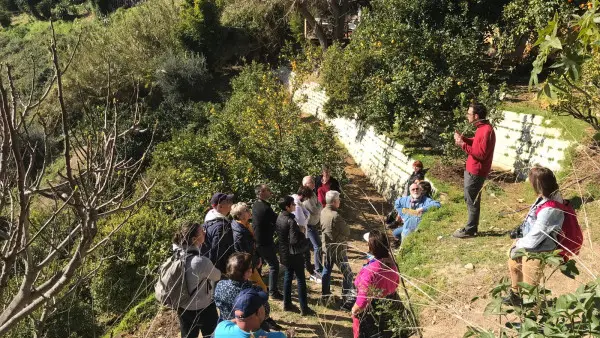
(230, 298)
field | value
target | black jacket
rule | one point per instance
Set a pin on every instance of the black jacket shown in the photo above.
(218, 245)
(243, 241)
(292, 242)
(263, 223)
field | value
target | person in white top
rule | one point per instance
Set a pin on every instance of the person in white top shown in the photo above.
(303, 217)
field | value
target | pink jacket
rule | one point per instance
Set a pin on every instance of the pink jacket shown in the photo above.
(375, 280)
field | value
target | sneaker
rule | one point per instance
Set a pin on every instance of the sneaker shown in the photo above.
(512, 299)
(276, 295)
(395, 244)
(315, 277)
(288, 307)
(462, 233)
(307, 312)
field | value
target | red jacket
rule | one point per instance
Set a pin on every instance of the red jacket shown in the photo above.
(480, 149)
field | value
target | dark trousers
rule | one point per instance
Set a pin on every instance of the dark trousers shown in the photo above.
(473, 185)
(295, 266)
(269, 255)
(191, 322)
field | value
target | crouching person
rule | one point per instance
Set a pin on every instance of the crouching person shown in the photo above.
(539, 230)
(249, 311)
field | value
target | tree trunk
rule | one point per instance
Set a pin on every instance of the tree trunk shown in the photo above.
(314, 25)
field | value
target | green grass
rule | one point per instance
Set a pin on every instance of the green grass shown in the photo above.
(140, 313)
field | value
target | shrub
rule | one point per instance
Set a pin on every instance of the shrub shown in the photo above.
(199, 28)
(4, 18)
(135, 252)
(409, 66)
(257, 137)
(183, 76)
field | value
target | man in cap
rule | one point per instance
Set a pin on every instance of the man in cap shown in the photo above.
(218, 245)
(249, 310)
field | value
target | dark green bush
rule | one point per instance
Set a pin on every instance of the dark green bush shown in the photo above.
(199, 29)
(4, 18)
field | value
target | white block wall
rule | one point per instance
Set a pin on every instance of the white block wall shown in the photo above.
(521, 141)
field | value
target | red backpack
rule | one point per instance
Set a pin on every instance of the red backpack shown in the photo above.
(570, 237)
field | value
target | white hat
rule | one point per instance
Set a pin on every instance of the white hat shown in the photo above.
(366, 236)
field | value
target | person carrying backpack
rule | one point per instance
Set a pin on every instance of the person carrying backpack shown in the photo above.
(542, 231)
(192, 295)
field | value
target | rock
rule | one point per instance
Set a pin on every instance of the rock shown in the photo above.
(440, 238)
(520, 200)
(469, 266)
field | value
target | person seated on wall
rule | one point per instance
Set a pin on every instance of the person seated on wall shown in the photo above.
(410, 209)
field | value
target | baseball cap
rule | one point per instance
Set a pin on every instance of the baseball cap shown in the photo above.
(220, 197)
(248, 301)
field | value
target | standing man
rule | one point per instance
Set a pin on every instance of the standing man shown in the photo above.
(335, 236)
(324, 183)
(314, 226)
(479, 163)
(218, 245)
(263, 223)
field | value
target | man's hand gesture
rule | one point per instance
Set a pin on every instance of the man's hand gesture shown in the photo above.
(458, 139)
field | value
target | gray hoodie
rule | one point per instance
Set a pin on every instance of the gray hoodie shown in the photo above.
(201, 277)
(314, 208)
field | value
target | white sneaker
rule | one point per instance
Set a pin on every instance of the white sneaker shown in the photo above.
(315, 278)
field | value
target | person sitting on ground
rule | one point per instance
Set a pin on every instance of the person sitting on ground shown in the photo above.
(301, 216)
(314, 225)
(239, 269)
(325, 183)
(200, 313)
(376, 281)
(249, 310)
(410, 209)
(539, 231)
(293, 245)
(418, 174)
(243, 239)
(335, 236)
(218, 245)
(263, 223)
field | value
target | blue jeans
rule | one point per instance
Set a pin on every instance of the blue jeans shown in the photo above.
(342, 262)
(315, 239)
(268, 254)
(398, 232)
(295, 266)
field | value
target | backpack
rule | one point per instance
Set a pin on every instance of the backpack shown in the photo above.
(570, 238)
(171, 288)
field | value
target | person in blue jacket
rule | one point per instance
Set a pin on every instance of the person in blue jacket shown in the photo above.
(410, 209)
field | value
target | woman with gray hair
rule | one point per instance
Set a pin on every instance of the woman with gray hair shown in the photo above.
(243, 239)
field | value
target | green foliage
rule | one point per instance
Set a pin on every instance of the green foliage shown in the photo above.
(134, 253)
(541, 315)
(199, 28)
(183, 76)
(143, 311)
(257, 137)
(5, 19)
(75, 318)
(254, 28)
(574, 82)
(409, 66)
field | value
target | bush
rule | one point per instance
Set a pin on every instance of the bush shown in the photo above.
(4, 18)
(199, 28)
(257, 137)
(409, 67)
(183, 76)
(135, 252)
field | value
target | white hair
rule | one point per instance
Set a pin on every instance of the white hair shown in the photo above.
(238, 209)
(307, 179)
(331, 196)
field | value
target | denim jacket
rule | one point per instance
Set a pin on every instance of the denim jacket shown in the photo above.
(539, 232)
(410, 221)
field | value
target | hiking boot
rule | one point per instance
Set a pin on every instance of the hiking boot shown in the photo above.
(512, 299)
(307, 312)
(462, 233)
(276, 295)
(347, 306)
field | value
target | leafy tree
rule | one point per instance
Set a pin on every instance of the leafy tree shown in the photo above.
(573, 48)
(199, 28)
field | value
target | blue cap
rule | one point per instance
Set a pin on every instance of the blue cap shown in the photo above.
(220, 197)
(248, 301)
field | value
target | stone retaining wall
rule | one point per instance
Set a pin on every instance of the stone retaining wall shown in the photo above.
(521, 141)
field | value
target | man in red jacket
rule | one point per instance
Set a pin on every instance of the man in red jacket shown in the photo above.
(479, 163)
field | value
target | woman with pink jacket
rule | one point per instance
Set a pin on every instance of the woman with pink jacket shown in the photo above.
(376, 281)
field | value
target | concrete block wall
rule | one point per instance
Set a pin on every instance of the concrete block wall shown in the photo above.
(521, 141)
